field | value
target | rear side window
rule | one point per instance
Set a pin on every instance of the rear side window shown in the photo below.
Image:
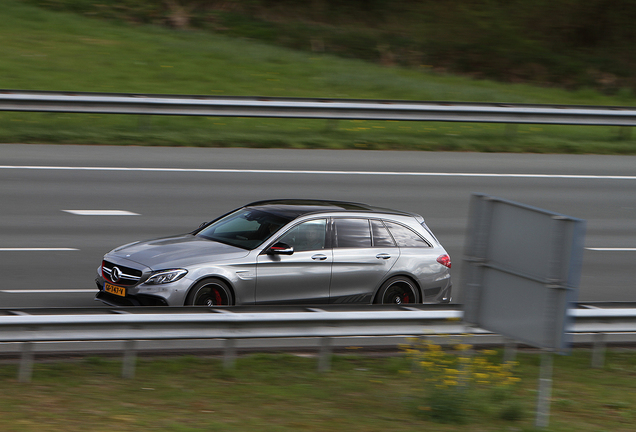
(352, 233)
(381, 237)
(405, 237)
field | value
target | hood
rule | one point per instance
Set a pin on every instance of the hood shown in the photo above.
(179, 251)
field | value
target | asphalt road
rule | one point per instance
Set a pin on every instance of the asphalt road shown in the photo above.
(48, 255)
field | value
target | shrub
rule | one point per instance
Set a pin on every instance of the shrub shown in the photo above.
(458, 379)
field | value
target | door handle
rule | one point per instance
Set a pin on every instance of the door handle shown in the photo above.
(383, 256)
(319, 257)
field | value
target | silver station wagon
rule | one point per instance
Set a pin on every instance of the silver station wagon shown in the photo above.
(284, 252)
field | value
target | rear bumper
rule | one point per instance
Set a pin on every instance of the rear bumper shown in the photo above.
(439, 295)
(447, 297)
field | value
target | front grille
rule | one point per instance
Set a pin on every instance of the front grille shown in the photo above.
(127, 276)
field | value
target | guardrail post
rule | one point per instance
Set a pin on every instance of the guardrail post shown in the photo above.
(130, 359)
(331, 125)
(511, 130)
(324, 355)
(229, 354)
(467, 351)
(624, 132)
(598, 350)
(510, 350)
(26, 362)
(144, 123)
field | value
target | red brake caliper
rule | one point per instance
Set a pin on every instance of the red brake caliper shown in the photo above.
(217, 297)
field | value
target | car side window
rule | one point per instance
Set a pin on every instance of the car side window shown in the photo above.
(405, 237)
(381, 237)
(352, 233)
(306, 236)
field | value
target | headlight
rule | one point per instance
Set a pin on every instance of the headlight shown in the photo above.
(166, 276)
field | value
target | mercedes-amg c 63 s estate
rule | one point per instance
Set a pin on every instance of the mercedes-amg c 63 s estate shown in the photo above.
(284, 252)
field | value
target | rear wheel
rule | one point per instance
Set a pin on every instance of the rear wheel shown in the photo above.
(210, 292)
(398, 290)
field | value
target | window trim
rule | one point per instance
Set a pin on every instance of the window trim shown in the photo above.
(410, 229)
(328, 229)
(334, 233)
(395, 245)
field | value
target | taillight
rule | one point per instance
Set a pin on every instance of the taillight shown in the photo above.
(444, 260)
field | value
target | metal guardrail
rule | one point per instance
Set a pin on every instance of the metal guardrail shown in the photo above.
(322, 328)
(345, 109)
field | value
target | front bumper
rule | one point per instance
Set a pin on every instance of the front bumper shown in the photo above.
(129, 300)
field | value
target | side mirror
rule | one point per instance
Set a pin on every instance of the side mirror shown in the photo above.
(280, 248)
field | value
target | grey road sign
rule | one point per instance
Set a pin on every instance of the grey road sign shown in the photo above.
(522, 270)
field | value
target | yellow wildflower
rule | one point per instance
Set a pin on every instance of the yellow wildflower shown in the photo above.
(463, 347)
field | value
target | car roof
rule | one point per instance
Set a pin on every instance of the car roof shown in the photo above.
(293, 208)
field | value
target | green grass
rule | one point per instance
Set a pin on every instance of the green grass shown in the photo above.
(46, 50)
(556, 42)
(284, 392)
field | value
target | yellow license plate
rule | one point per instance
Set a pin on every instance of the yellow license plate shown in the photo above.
(120, 291)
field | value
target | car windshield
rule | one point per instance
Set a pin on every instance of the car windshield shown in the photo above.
(244, 228)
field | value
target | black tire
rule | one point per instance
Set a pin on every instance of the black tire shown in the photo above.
(210, 292)
(398, 290)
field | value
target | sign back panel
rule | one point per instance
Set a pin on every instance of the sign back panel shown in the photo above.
(522, 270)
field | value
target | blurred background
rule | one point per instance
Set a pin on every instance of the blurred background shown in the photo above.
(556, 52)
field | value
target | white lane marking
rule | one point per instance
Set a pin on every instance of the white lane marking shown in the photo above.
(102, 212)
(613, 249)
(51, 291)
(387, 173)
(36, 249)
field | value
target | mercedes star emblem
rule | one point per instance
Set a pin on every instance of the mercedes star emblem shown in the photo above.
(115, 275)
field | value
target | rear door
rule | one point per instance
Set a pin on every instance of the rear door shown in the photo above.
(363, 253)
(419, 258)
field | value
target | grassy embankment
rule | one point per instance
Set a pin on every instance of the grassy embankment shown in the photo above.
(557, 43)
(46, 50)
(283, 392)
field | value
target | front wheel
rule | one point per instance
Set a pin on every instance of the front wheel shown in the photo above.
(210, 292)
(398, 290)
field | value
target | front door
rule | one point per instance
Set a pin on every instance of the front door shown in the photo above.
(300, 278)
